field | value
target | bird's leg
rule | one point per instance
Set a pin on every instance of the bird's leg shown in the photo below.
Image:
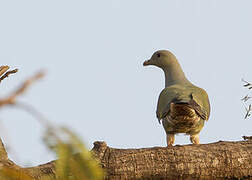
(194, 138)
(170, 139)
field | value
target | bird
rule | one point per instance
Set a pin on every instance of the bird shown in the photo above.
(182, 107)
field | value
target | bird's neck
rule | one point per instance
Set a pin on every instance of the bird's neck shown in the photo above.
(175, 75)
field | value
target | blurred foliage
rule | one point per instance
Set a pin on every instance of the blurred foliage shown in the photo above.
(74, 162)
(13, 174)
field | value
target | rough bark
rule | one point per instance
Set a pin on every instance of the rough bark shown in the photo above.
(220, 160)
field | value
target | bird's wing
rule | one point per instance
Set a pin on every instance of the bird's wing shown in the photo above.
(168, 95)
(193, 96)
(200, 97)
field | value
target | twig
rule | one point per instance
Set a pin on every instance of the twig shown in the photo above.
(246, 98)
(247, 84)
(248, 111)
(27, 83)
(5, 74)
(3, 69)
(12, 98)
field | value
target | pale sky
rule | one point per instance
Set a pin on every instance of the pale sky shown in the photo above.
(93, 52)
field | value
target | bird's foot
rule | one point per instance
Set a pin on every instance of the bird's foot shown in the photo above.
(170, 138)
(195, 139)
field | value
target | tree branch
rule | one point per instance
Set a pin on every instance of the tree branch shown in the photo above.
(220, 160)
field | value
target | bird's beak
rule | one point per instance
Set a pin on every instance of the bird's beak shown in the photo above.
(147, 62)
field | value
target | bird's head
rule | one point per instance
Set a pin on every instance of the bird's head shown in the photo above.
(162, 59)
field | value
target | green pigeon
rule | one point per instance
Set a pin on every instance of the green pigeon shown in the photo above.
(182, 107)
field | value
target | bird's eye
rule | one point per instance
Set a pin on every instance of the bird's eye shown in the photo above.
(158, 55)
